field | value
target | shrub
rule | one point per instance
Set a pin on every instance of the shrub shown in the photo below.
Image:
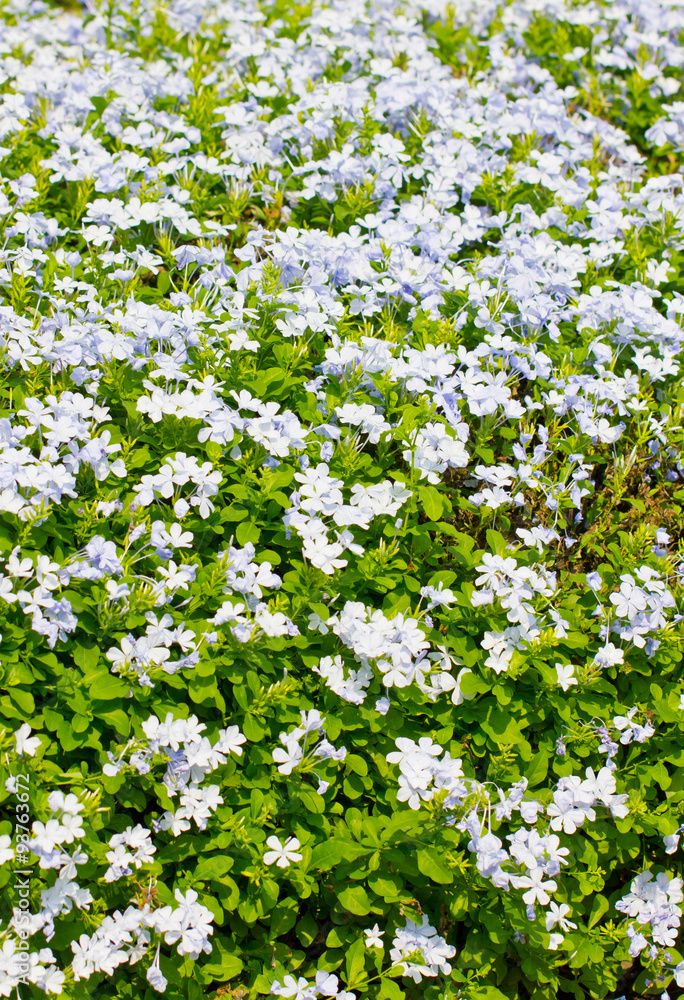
(341, 503)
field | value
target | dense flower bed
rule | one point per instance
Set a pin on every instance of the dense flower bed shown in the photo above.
(341, 499)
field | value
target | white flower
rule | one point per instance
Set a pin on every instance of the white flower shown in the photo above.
(564, 672)
(318, 624)
(373, 936)
(421, 940)
(282, 854)
(679, 973)
(298, 989)
(97, 235)
(609, 656)
(670, 842)
(537, 890)
(558, 914)
(26, 744)
(156, 978)
(6, 850)
(287, 759)
(231, 740)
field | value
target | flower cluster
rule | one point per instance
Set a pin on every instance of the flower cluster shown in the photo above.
(653, 905)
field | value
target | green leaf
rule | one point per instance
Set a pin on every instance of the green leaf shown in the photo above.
(163, 284)
(86, 657)
(389, 990)
(357, 764)
(355, 961)
(488, 992)
(106, 687)
(431, 865)
(431, 500)
(246, 532)
(284, 917)
(502, 728)
(599, 907)
(332, 852)
(355, 899)
(22, 700)
(213, 867)
(233, 514)
(537, 769)
(223, 965)
(307, 929)
(262, 983)
(252, 729)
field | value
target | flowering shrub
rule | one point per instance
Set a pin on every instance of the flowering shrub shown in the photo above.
(341, 499)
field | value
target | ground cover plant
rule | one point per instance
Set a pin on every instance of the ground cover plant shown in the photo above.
(341, 497)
